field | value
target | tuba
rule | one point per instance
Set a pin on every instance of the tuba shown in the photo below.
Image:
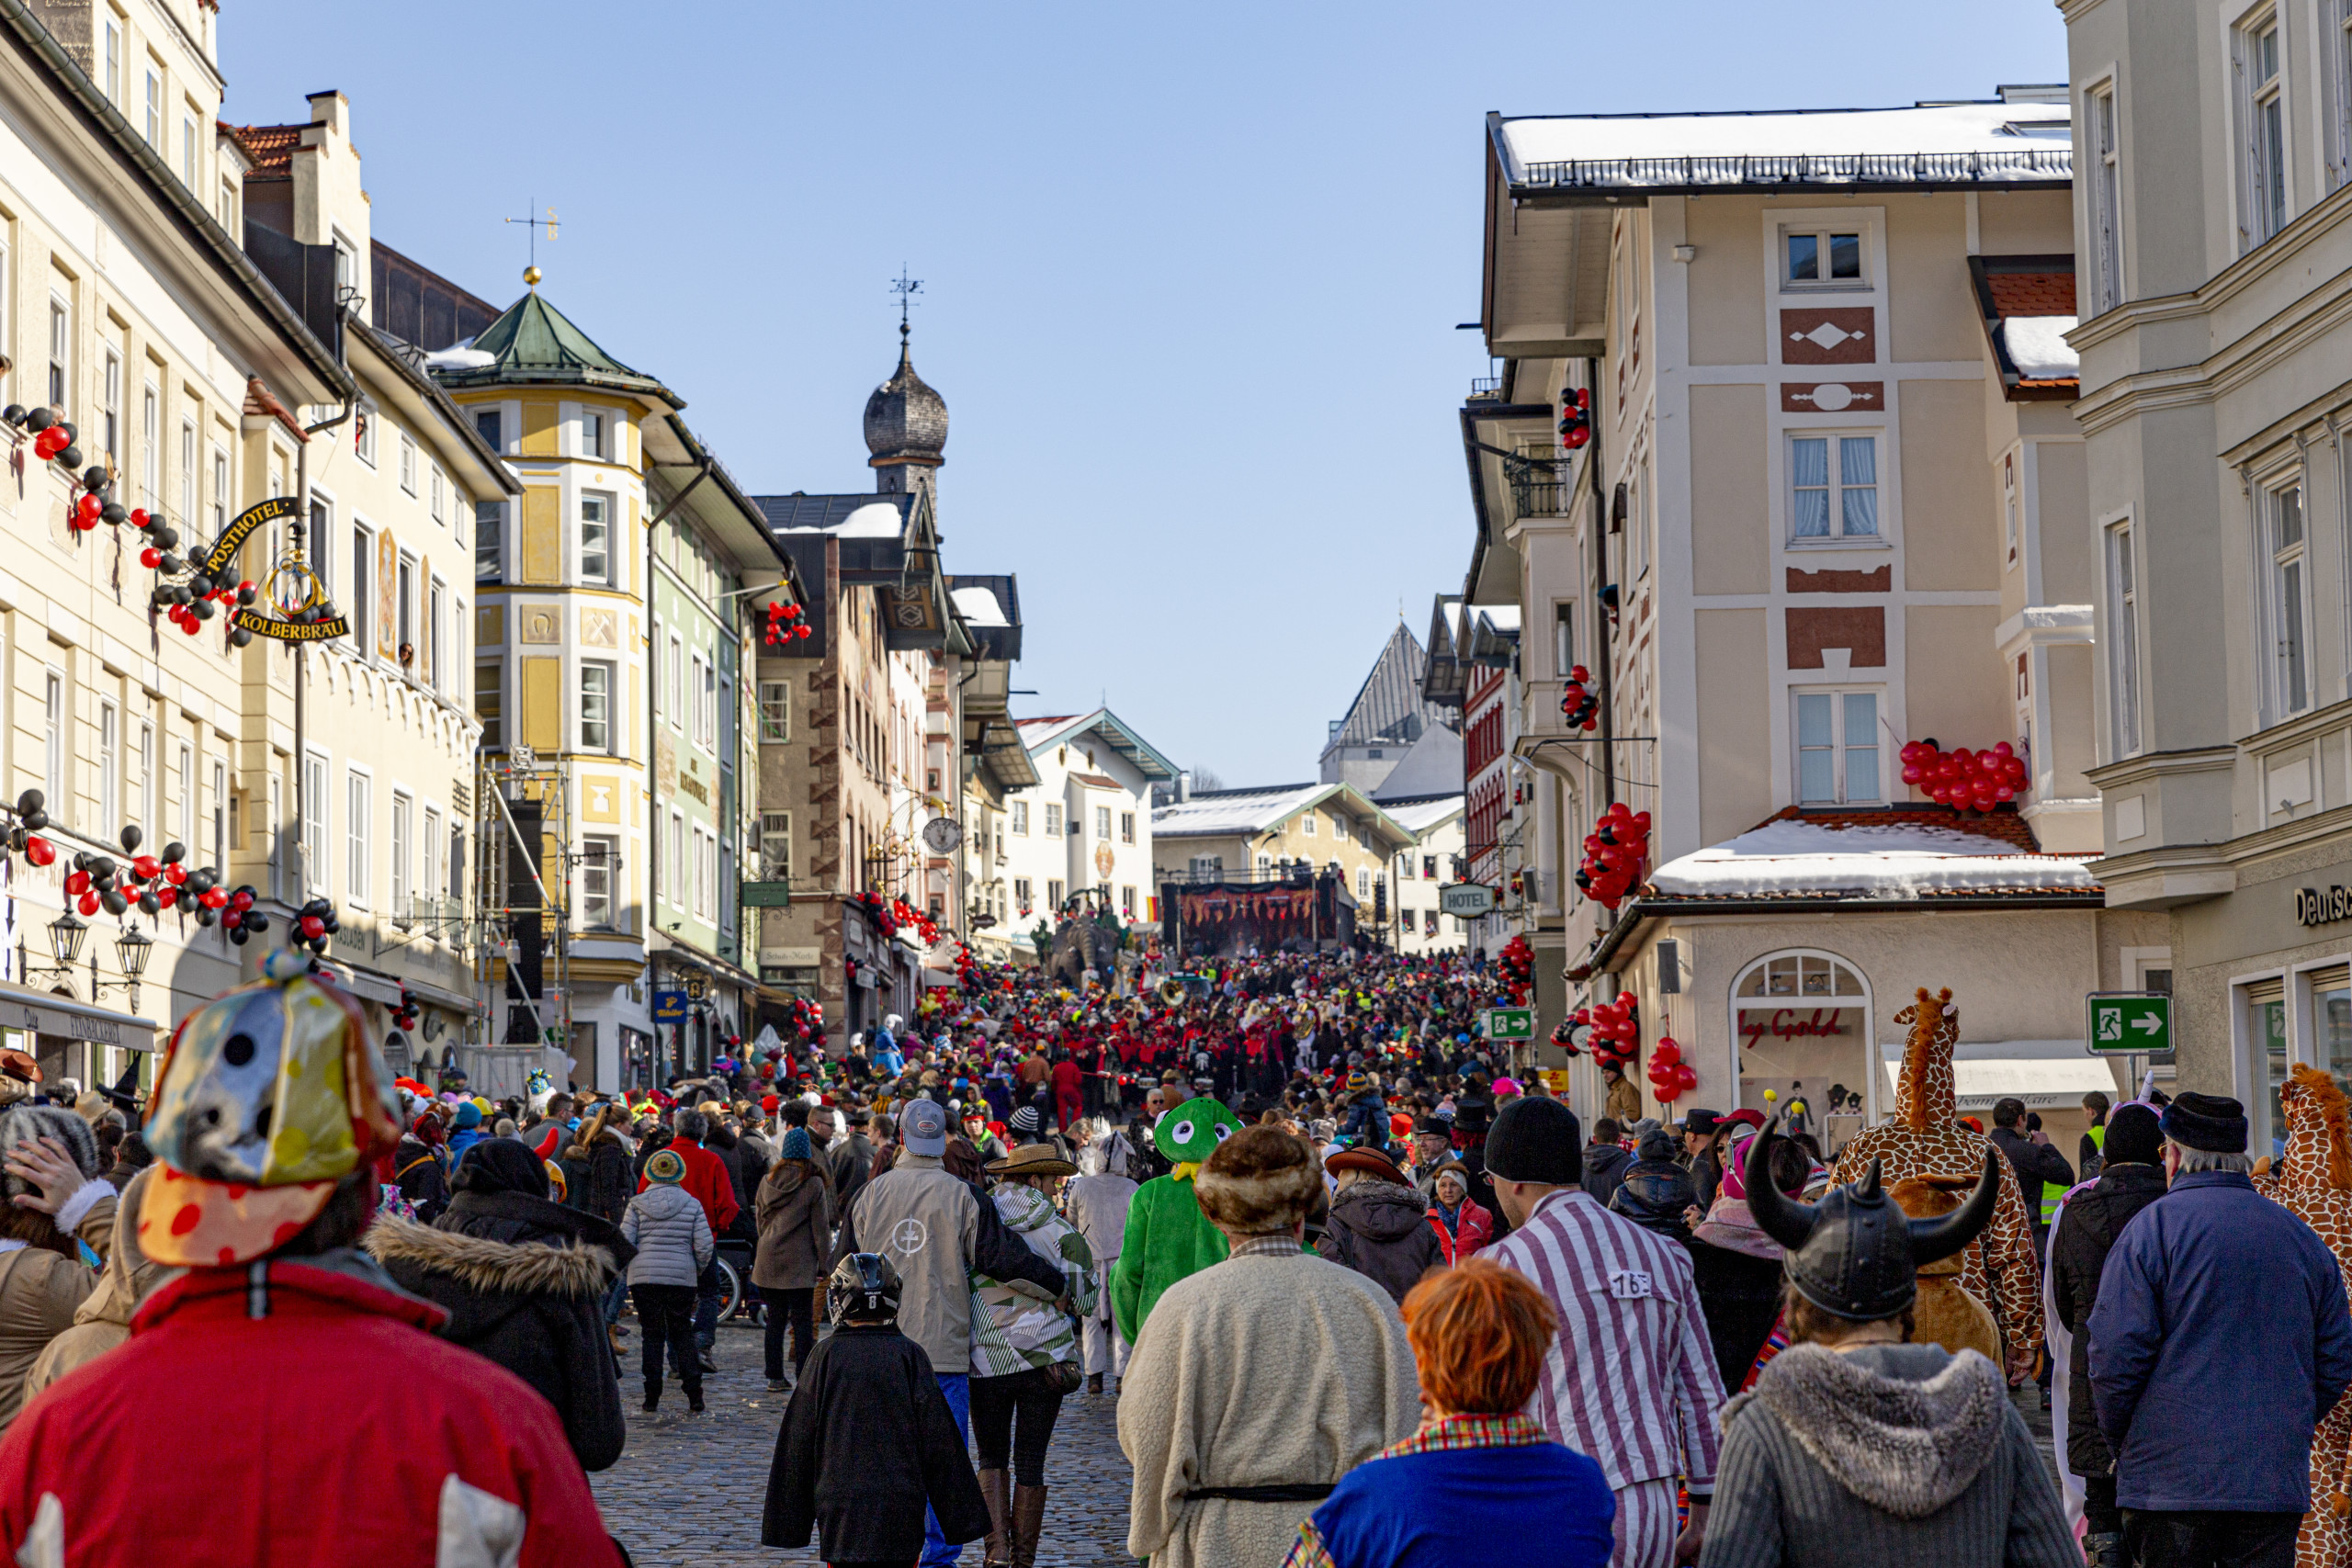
(1172, 992)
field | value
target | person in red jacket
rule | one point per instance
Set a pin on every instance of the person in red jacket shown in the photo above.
(1069, 1093)
(707, 1182)
(233, 1425)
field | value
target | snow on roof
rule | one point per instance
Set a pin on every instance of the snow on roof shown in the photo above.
(1787, 857)
(2038, 134)
(978, 607)
(2037, 347)
(459, 356)
(874, 520)
(1234, 810)
(1502, 617)
(1419, 816)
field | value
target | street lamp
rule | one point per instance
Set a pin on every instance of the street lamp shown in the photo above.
(66, 935)
(133, 948)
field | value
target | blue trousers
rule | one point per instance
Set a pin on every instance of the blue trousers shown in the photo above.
(957, 1387)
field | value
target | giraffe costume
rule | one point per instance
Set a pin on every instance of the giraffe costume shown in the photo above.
(2313, 1180)
(1926, 1139)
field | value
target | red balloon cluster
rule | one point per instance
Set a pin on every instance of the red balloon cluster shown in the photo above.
(1670, 1075)
(1578, 701)
(785, 623)
(1616, 852)
(405, 1015)
(1613, 1030)
(1516, 964)
(1964, 779)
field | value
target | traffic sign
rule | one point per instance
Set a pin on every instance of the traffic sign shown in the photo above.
(669, 1007)
(1511, 1023)
(1466, 900)
(2136, 1023)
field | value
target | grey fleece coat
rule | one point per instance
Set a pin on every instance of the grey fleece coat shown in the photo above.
(1885, 1453)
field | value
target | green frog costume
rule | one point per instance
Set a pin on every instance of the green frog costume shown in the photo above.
(1168, 1236)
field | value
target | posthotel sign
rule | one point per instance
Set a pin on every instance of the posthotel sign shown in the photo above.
(2322, 906)
(224, 548)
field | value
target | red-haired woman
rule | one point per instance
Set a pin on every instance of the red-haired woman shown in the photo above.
(1479, 1333)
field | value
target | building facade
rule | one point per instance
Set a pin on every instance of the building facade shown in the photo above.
(2213, 246)
(1084, 827)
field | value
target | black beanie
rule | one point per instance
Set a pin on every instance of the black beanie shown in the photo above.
(1536, 1140)
(2132, 1137)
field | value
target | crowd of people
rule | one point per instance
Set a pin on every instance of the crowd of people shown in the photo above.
(1351, 1281)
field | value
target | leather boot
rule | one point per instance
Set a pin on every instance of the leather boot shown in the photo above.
(2104, 1549)
(1028, 1523)
(996, 1486)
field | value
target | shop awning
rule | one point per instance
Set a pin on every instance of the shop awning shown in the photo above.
(45, 1013)
(2043, 1073)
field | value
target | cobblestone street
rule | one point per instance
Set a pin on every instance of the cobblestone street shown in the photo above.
(688, 1490)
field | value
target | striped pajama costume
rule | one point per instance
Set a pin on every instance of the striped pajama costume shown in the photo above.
(1631, 1381)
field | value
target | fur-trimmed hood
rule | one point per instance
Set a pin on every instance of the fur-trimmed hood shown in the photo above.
(408, 1249)
(1906, 1428)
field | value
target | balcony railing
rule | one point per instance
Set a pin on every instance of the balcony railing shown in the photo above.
(1540, 487)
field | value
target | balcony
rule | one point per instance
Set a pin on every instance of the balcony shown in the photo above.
(1541, 487)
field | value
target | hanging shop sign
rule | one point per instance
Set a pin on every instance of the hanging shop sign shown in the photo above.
(1466, 900)
(669, 1007)
(224, 548)
(291, 631)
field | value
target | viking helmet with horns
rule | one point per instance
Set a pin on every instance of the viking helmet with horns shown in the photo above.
(1855, 1255)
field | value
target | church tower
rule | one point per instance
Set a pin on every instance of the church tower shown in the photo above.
(906, 430)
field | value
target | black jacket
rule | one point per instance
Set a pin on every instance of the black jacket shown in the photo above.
(1604, 1168)
(1653, 1194)
(1741, 1296)
(866, 1442)
(849, 1161)
(745, 1169)
(599, 1181)
(533, 1308)
(2035, 1164)
(2078, 1249)
(1381, 1230)
(417, 1168)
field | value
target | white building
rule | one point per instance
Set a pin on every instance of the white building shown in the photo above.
(1427, 864)
(1086, 823)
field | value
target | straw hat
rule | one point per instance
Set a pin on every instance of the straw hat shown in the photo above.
(1032, 1159)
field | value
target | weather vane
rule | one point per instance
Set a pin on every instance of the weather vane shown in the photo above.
(531, 226)
(906, 289)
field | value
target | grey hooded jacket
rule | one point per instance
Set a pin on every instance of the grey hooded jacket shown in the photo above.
(1885, 1453)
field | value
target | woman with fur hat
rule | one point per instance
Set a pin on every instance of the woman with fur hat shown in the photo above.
(60, 1209)
(1260, 1380)
(1857, 1447)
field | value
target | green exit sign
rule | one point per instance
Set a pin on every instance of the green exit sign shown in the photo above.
(1511, 1023)
(2129, 1023)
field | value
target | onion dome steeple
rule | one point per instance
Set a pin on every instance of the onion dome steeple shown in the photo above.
(906, 425)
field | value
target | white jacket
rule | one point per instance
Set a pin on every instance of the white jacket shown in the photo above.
(671, 1235)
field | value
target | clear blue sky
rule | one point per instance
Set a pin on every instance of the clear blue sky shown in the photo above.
(1191, 273)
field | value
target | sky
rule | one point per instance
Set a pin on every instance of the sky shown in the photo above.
(1191, 275)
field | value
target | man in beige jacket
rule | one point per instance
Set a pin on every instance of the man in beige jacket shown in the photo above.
(1258, 1381)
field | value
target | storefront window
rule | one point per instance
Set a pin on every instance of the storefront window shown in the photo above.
(2332, 1013)
(2272, 1018)
(1801, 1030)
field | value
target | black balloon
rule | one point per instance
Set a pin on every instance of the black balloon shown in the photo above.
(174, 852)
(238, 935)
(115, 903)
(130, 838)
(150, 905)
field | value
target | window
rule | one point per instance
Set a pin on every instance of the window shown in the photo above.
(598, 857)
(150, 449)
(1339, 828)
(186, 834)
(1405, 919)
(114, 62)
(188, 151)
(142, 792)
(1053, 822)
(2266, 133)
(1021, 819)
(1364, 883)
(2107, 200)
(402, 813)
(220, 815)
(2009, 502)
(61, 348)
(434, 605)
(314, 823)
(109, 765)
(2282, 523)
(404, 609)
(677, 876)
(492, 428)
(592, 433)
(776, 710)
(1824, 503)
(490, 541)
(2123, 639)
(54, 745)
(1102, 822)
(705, 873)
(1055, 892)
(776, 846)
(110, 406)
(677, 683)
(268, 831)
(1564, 640)
(363, 434)
(1428, 868)
(439, 485)
(363, 603)
(1127, 903)
(220, 491)
(1126, 827)
(428, 874)
(706, 705)
(1204, 868)
(1838, 747)
(1820, 259)
(1020, 894)
(187, 472)
(155, 111)
(1307, 824)
(356, 819)
(595, 706)
(407, 449)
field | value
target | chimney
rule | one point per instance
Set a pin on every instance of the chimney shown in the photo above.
(1183, 786)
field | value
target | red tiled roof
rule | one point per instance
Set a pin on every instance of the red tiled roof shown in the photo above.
(268, 147)
(2032, 293)
(2002, 823)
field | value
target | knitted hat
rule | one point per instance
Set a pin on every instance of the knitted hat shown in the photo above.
(2212, 1123)
(795, 1144)
(667, 1167)
(469, 1115)
(1258, 1181)
(22, 1124)
(1536, 1140)
(1026, 1120)
(2133, 1136)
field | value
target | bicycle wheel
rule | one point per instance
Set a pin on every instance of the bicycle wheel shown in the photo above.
(730, 1291)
